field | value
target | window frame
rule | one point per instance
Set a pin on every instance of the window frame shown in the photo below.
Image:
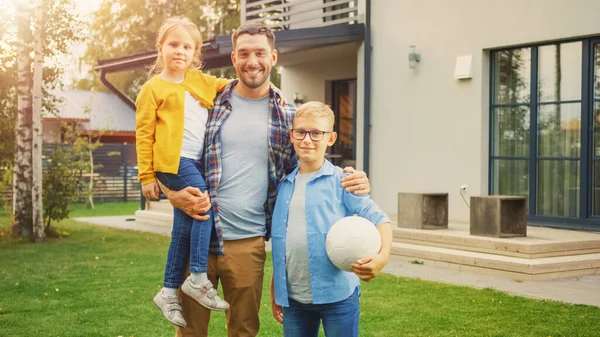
(585, 218)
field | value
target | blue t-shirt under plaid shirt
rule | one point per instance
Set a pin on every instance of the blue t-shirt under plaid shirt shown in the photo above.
(282, 157)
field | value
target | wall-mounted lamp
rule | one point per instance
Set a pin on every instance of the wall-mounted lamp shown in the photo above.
(413, 58)
(298, 99)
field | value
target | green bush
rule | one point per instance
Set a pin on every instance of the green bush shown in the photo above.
(62, 183)
(6, 187)
(60, 186)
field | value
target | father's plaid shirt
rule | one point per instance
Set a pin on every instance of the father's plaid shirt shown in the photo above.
(281, 153)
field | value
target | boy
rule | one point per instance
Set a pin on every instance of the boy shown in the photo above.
(306, 287)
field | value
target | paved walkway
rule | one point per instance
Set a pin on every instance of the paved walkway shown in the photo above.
(580, 290)
(125, 222)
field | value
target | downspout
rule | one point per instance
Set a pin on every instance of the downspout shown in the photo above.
(367, 88)
(116, 90)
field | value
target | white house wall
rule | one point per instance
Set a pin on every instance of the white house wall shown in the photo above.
(430, 131)
(305, 72)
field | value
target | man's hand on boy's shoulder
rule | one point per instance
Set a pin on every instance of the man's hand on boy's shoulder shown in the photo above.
(367, 268)
(357, 181)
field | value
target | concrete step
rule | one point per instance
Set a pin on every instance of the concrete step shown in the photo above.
(159, 206)
(539, 243)
(522, 269)
(153, 218)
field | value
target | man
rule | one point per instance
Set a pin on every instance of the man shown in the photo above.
(247, 152)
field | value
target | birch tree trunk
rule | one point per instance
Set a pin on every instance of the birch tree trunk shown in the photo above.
(22, 170)
(38, 63)
(91, 186)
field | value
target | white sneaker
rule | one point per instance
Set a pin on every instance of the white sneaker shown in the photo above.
(205, 295)
(170, 306)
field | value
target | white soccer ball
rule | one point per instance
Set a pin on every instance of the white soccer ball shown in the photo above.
(350, 239)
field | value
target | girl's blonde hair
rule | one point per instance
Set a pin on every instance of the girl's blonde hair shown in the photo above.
(170, 25)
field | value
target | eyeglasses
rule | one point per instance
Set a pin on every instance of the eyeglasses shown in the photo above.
(315, 135)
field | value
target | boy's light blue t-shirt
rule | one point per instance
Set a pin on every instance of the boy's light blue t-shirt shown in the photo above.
(296, 243)
(326, 202)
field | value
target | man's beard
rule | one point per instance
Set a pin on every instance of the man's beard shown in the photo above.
(256, 83)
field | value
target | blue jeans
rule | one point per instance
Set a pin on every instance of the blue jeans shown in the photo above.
(340, 319)
(190, 238)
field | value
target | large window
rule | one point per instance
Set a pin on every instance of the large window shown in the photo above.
(595, 148)
(545, 126)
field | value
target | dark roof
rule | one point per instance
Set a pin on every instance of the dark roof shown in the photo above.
(104, 110)
(216, 52)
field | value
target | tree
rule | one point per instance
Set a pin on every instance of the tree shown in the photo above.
(38, 61)
(128, 27)
(8, 104)
(60, 29)
(85, 146)
(8, 98)
(22, 170)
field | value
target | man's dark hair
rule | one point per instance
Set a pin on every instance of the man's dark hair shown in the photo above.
(254, 29)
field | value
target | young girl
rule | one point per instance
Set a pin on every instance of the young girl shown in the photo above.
(170, 123)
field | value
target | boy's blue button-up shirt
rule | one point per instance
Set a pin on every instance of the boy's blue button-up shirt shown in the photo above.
(326, 202)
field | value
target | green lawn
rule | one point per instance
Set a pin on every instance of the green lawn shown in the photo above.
(100, 209)
(104, 209)
(99, 281)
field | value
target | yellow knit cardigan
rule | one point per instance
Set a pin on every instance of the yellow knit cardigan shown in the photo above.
(160, 116)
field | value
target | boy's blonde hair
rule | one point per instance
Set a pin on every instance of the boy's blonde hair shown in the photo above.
(316, 109)
(167, 27)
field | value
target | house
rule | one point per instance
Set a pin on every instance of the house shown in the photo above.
(104, 116)
(100, 114)
(492, 97)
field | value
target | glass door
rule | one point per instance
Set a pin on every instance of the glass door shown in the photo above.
(559, 105)
(343, 103)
